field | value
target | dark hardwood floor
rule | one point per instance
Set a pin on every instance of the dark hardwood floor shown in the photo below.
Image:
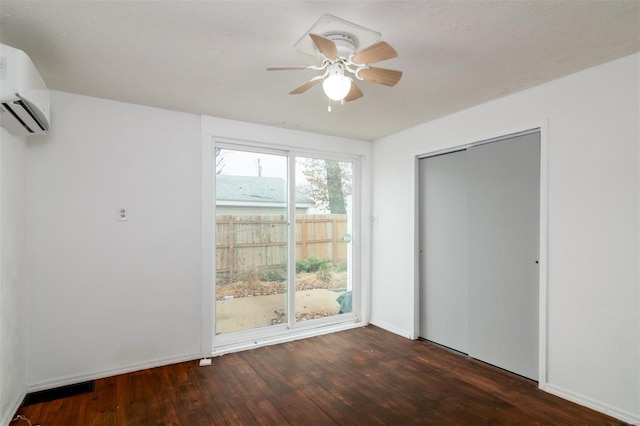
(364, 376)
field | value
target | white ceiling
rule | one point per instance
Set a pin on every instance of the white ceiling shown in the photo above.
(209, 57)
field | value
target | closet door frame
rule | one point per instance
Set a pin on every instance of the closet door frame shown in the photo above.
(542, 128)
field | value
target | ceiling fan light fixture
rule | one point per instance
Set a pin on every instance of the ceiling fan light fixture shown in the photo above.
(336, 86)
(336, 49)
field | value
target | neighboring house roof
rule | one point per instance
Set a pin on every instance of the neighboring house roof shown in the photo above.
(255, 189)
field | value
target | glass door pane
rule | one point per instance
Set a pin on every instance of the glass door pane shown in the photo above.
(251, 240)
(324, 213)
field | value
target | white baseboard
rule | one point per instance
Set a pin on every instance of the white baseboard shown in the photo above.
(283, 338)
(392, 329)
(619, 414)
(79, 378)
(13, 408)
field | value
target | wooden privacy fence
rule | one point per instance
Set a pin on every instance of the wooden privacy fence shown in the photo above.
(259, 242)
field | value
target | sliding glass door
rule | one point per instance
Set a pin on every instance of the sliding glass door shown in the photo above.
(252, 222)
(283, 241)
(324, 284)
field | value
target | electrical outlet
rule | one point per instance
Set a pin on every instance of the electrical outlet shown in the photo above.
(122, 215)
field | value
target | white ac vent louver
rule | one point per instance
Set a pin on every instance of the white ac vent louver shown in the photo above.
(24, 98)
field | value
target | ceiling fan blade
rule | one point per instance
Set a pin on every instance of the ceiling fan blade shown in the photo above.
(325, 46)
(377, 52)
(354, 93)
(381, 76)
(294, 68)
(306, 86)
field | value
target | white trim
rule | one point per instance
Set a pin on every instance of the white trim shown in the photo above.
(478, 143)
(270, 332)
(276, 148)
(207, 303)
(79, 378)
(543, 270)
(257, 138)
(361, 253)
(248, 338)
(618, 413)
(393, 329)
(247, 146)
(259, 204)
(356, 240)
(542, 128)
(291, 242)
(288, 336)
(416, 249)
(13, 408)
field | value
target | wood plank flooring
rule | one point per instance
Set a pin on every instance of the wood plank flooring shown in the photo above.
(364, 376)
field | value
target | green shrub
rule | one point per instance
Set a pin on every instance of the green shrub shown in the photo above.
(323, 273)
(342, 267)
(310, 264)
(275, 274)
(222, 278)
(249, 274)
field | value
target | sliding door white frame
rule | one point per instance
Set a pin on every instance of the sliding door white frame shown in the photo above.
(215, 345)
(542, 128)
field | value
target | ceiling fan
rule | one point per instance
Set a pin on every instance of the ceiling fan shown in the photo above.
(339, 59)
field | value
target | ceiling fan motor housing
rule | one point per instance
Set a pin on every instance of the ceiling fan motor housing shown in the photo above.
(345, 43)
(338, 52)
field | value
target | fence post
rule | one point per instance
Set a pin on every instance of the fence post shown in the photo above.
(304, 236)
(334, 237)
(231, 233)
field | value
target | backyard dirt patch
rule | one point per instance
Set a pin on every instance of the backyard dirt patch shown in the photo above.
(304, 281)
(249, 304)
(245, 313)
(281, 318)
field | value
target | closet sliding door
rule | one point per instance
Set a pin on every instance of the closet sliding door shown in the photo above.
(443, 242)
(479, 243)
(503, 195)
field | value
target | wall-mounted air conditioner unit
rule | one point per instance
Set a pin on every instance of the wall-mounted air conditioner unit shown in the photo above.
(24, 98)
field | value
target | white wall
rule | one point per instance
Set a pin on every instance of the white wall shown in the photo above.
(13, 306)
(106, 296)
(593, 225)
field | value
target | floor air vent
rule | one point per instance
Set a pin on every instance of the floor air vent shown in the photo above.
(57, 393)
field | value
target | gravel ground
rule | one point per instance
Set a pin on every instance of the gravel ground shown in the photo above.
(304, 281)
(281, 318)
